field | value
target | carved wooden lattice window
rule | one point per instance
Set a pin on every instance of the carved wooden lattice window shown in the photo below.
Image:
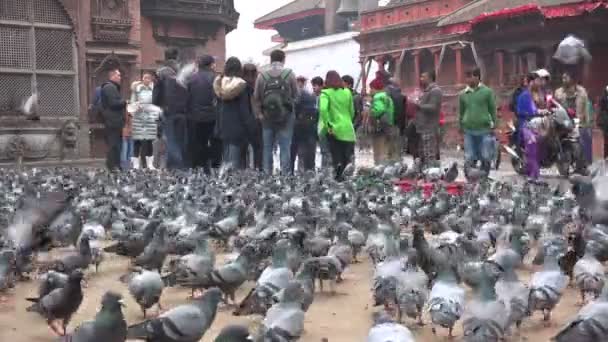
(37, 55)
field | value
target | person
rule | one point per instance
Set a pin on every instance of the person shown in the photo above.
(337, 111)
(399, 102)
(428, 109)
(317, 86)
(349, 83)
(172, 98)
(145, 122)
(236, 120)
(304, 144)
(603, 119)
(276, 93)
(204, 150)
(573, 97)
(526, 109)
(477, 118)
(250, 74)
(382, 112)
(126, 148)
(113, 115)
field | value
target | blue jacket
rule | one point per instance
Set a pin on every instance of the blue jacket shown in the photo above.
(526, 108)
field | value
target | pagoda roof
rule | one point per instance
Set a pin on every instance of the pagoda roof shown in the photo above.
(296, 9)
(481, 8)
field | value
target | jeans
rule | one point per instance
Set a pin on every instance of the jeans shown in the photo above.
(126, 153)
(282, 135)
(176, 131)
(233, 155)
(341, 155)
(113, 137)
(325, 152)
(586, 139)
(204, 150)
(479, 147)
(305, 150)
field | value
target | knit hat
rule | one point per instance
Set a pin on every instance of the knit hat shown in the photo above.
(377, 84)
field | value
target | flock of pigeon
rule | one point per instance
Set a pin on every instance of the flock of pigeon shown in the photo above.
(293, 237)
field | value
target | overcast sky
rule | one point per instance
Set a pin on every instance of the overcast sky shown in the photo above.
(246, 42)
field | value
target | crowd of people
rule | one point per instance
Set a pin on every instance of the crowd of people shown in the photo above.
(241, 116)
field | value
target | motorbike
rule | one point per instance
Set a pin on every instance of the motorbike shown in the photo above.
(559, 144)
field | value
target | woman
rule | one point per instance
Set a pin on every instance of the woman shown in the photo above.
(383, 112)
(526, 110)
(236, 121)
(337, 111)
(603, 119)
(145, 121)
(250, 75)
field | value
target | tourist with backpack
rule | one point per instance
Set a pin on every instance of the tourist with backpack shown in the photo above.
(304, 142)
(337, 111)
(275, 95)
(113, 116)
(385, 133)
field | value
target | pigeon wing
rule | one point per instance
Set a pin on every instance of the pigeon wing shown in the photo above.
(183, 323)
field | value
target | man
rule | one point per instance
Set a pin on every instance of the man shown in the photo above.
(275, 96)
(113, 113)
(477, 118)
(203, 149)
(428, 109)
(382, 112)
(304, 144)
(399, 101)
(573, 97)
(173, 99)
(317, 85)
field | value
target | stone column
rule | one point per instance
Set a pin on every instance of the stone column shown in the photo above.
(364, 71)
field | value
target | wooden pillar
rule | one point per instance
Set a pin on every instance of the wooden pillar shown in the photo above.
(364, 73)
(500, 62)
(436, 51)
(459, 68)
(399, 60)
(416, 54)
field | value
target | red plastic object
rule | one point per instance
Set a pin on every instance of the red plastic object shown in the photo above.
(408, 185)
(455, 189)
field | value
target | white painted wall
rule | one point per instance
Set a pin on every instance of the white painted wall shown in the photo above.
(315, 57)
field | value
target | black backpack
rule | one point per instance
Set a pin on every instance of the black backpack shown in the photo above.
(276, 102)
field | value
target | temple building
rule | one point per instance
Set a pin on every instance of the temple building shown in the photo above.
(504, 38)
(60, 49)
(317, 36)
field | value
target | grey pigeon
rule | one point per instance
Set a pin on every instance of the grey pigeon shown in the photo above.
(184, 323)
(547, 286)
(284, 321)
(231, 276)
(61, 303)
(386, 330)
(590, 324)
(146, 287)
(153, 256)
(193, 269)
(109, 324)
(234, 333)
(50, 281)
(80, 260)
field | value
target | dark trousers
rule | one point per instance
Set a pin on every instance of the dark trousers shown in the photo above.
(305, 150)
(175, 128)
(257, 147)
(606, 144)
(204, 150)
(341, 155)
(113, 137)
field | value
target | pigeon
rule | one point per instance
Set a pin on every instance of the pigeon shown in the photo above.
(146, 287)
(134, 244)
(589, 275)
(184, 323)
(60, 304)
(80, 260)
(386, 330)
(230, 277)
(234, 333)
(30, 108)
(48, 282)
(109, 324)
(153, 256)
(446, 300)
(547, 286)
(194, 268)
(284, 321)
(590, 324)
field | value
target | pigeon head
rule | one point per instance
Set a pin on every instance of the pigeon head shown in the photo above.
(212, 296)
(76, 276)
(112, 301)
(234, 333)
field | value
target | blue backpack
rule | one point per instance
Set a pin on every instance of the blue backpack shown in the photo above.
(96, 107)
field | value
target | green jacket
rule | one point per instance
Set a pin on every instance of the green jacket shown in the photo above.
(477, 109)
(336, 112)
(383, 104)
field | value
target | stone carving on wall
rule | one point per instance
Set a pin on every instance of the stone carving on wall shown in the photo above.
(110, 20)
